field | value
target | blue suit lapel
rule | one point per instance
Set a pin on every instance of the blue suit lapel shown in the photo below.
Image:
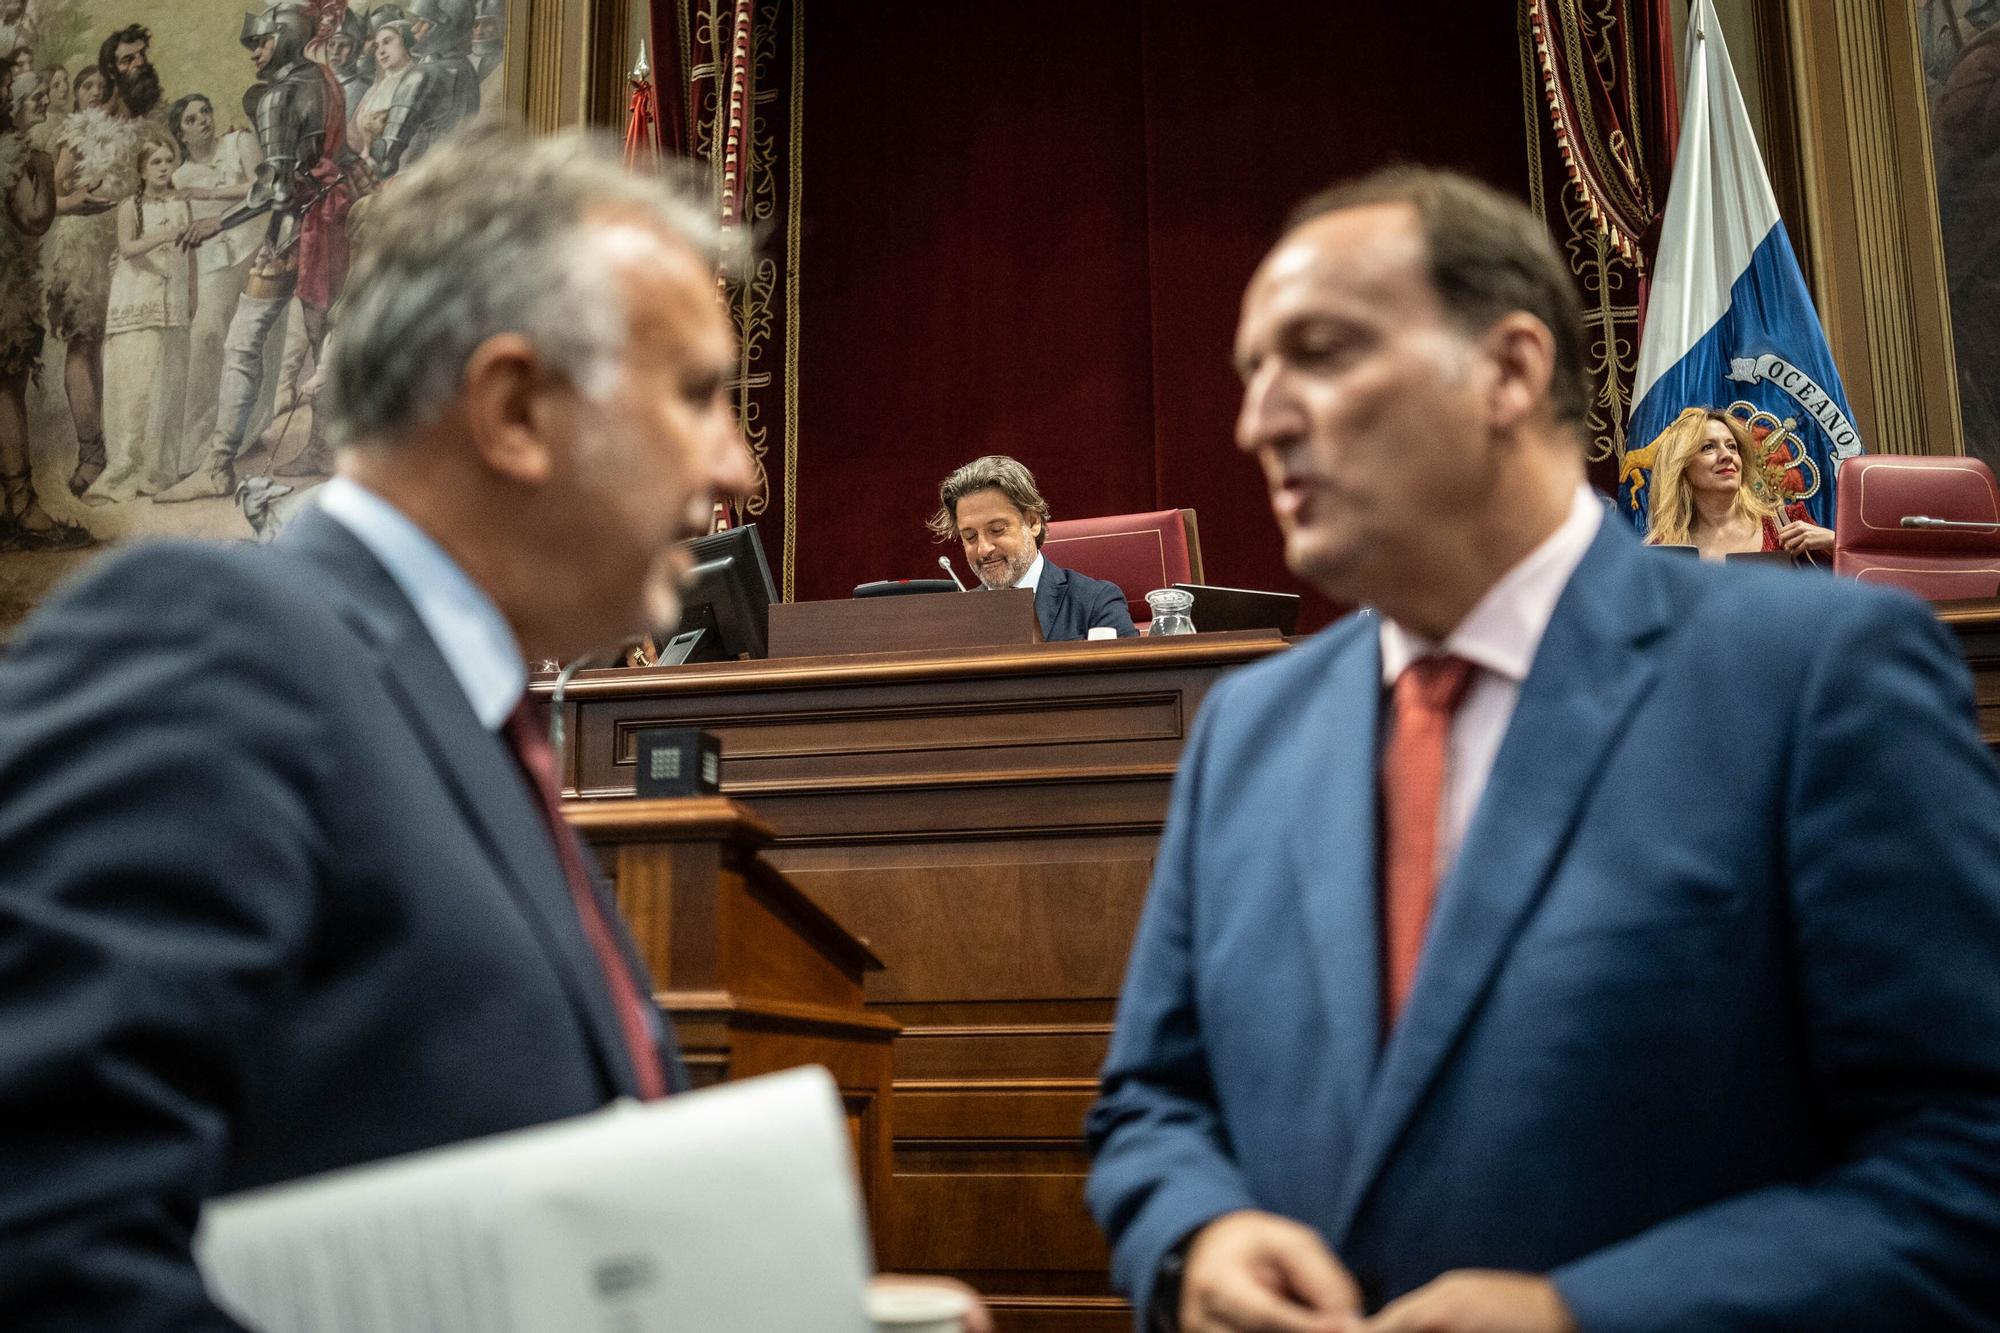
(477, 769)
(1049, 597)
(1589, 673)
(1333, 849)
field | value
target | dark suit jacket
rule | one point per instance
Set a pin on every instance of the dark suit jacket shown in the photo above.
(1707, 1024)
(1069, 605)
(271, 902)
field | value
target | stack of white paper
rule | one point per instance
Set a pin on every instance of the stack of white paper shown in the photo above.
(727, 1211)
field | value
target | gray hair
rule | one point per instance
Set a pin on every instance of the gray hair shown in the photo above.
(486, 235)
(994, 472)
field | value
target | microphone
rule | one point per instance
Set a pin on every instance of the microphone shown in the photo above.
(1947, 524)
(562, 684)
(944, 563)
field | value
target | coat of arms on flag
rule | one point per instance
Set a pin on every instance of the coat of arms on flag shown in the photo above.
(1730, 324)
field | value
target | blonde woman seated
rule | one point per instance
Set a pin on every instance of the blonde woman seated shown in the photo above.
(1704, 498)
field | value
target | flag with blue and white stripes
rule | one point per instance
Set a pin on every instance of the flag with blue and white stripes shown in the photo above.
(1729, 323)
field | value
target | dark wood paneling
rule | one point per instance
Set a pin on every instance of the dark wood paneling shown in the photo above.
(985, 821)
(1977, 627)
(986, 1216)
(994, 1111)
(923, 623)
(950, 932)
(988, 1046)
(755, 976)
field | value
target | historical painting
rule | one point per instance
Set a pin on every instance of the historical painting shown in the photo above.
(180, 189)
(1961, 48)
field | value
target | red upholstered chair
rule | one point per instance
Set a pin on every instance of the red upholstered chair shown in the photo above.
(1877, 491)
(1138, 552)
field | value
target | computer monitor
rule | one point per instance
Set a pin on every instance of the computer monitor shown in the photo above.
(1242, 608)
(726, 605)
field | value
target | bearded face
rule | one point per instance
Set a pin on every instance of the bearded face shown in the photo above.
(137, 83)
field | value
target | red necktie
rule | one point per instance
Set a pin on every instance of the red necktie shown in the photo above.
(529, 737)
(1426, 695)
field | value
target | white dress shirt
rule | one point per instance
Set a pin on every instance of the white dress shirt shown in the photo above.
(477, 643)
(1031, 577)
(1499, 637)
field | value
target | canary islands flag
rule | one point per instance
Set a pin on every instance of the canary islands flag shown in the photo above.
(1729, 323)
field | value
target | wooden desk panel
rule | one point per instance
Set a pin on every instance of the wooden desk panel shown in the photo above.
(986, 821)
(1977, 627)
(754, 975)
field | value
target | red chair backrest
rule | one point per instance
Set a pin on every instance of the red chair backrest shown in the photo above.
(1878, 491)
(1138, 552)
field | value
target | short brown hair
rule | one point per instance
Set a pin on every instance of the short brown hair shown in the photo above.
(995, 472)
(1489, 255)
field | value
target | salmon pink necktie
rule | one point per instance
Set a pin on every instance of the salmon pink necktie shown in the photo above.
(1413, 772)
(530, 740)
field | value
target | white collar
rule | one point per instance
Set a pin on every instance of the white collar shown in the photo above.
(477, 643)
(1031, 577)
(1505, 627)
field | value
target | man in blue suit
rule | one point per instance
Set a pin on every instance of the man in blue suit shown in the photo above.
(1586, 939)
(282, 883)
(995, 510)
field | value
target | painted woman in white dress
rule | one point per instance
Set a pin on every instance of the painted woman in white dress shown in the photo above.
(146, 335)
(214, 176)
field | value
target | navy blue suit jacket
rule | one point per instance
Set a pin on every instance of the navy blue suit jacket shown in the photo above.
(1707, 1025)
(272, 901)
(1069, 605)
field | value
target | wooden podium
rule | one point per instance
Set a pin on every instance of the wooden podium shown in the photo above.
(925, 622)
(986, 819)
(755, 977)
(1976, 624)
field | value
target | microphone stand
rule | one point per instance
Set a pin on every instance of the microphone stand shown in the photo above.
(562, 685)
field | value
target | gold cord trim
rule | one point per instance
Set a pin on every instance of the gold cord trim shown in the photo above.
(795, 154)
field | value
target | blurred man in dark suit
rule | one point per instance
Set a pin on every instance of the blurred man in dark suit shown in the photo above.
(995, 510)
(1587, 939)
(285, 885)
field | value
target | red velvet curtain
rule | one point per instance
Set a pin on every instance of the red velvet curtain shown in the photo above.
(1026, 229)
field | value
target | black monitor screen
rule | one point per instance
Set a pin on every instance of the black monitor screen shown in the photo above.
(726, 605)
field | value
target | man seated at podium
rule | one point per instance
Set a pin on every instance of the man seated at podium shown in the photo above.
(992, 506)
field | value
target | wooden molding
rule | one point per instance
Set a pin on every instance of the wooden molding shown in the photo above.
(625, 732)
(1849, 98)
(739, 1011)
(806, 673)
(679, 819)
(573, 56)
(915, 1031)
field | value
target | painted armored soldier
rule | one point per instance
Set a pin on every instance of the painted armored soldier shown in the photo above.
(442, 91)
(301, 197)
(489, 37)
(343, 56)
